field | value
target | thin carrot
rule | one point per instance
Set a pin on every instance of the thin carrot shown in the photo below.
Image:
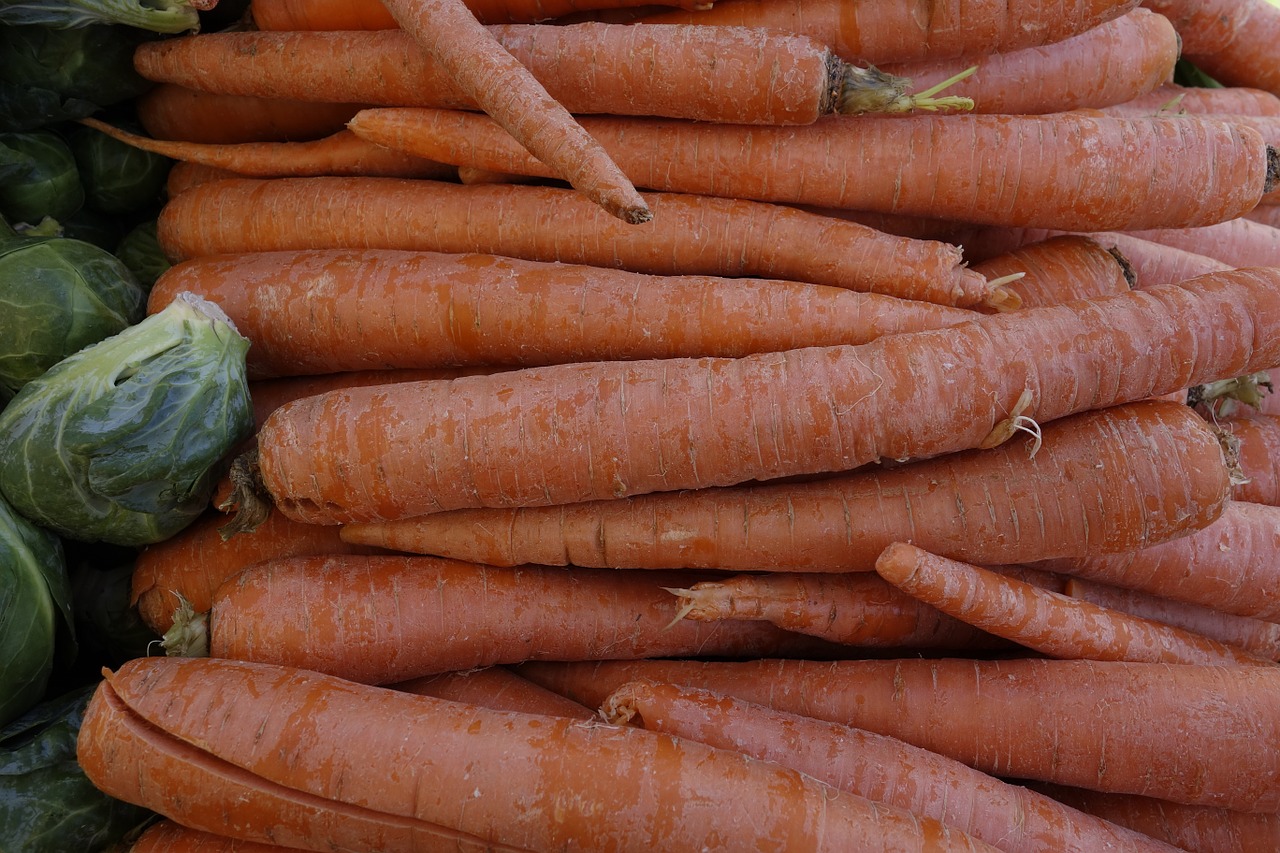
(724, 74)
(1201, 171)
(1083, 491)
(342, 153)
(372, 15)
(168, 111)
(382, 620)
(899, 32)
(693, 234)
(1178, 732)
(1230, 565)
(1112, 63)
(1238, 242)
(1058, 269)
(424, 309)
(486, 773)
(1255, 635)
(499, 688)
(1048, 622)
(166, 836)
(1011, 817)
(1258, 451)
(1172, 98)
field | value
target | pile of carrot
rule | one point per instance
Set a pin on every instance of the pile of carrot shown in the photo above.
(782, 424)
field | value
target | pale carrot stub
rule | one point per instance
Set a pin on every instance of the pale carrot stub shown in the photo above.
(691, 235)
(514, 779)
(710, 422)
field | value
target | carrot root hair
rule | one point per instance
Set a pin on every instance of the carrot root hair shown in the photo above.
(692, 601)
(999, 297)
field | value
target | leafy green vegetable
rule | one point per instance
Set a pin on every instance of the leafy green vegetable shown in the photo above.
(105, 618)
(118, 177)
(91, 65)
(35, 605)
(41, 177)
(117, 443)
(158, 16)
(59, 296)
(47, 804)
(140, 250)
(26, 107)
(93, 226)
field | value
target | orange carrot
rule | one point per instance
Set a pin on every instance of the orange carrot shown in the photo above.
(372, 15)
(1233, 41)
(184, 176)
(883, 769)
(1255, 635)
(342, 153)
(1267, 214)
(724, 74)
(1083, 491)
(693, 235)
(1258, 452)
(1058, 269)
(627, 428)
(1111, 63)
(169, 837)
(1238, 242)
(496, 687)
(268, 395)
(1172, 98)
(1200, 171)
(382, 620)
(424, 309)
(891, 31)
(1178, 732)
(168, 111)
(486, 773)
(1048, 622)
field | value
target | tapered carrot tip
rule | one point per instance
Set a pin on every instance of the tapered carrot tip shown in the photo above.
(898, 562)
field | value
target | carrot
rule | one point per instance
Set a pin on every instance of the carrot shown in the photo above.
(883, 769)
(270, 394)
(1233, 41)
(723, 74)
(1230, 565)
(496, 687)
(131, 760)
(692, 235)
(372, 15)
(471, 175)
(1172, 98)
(1267, 214)
(1059, 269)
(487, 773)
(1112, 63)
(424, 309)
(184, 176)
(168, 111)
(1084, 491)
(1199, 172)
(1255, 635)
(342, 153)
(888, 31)
(1239, 242)
(1258, 451)
(382, 620)
(1178, 732)
(169, 837)
(1048, 622)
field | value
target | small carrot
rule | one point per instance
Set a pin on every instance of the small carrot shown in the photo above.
(1048, 622)
(486, 773)
(372, 15)
(1238, 242)
(884, 769)
(1058, 269)
(431, 310)
(169, 111)
(1202, 171)
(692, 235)
(1178, 732)
(1083, 491)
(496, 687)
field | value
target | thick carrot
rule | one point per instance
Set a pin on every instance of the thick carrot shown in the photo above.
(499, 688)
(166, 836)
(902, 31)
(1199, 171)
(423, 309)
(1255, 635)
(1059, 269)
(693, 234)
(1230, 565)
(1258, 451)
(724, 74)
(1048, 622)
(132, 760)
(1084, 491)
(1111, 63)
(1233, 41)
(382, 620)
(1196, 100)
(169, 111)
(522, 779)
(1238, 242)
(372, 15)
(342, 153)
(270, 394)
(884, 769)
(1178, 732)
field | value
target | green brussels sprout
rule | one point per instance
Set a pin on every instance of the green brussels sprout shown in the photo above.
(92, 64)
(35, 606)
(42, 177)
(60, 295)
(118, 177)
(157, 16)
(119, 442)
(93, 226)
(141, 252)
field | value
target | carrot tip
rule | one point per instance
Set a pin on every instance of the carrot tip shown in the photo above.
(248, 502)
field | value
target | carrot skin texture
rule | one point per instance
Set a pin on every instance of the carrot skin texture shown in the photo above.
(443, 749)
(1022, 718)
(169, 111)
(498, 688)
(691, 234)
(1230, 100)
(1259, 455)
(382, 620)
(1198, 171)
(1049, 622)
(1237, 242)
(169, 837)
(372, 15)
(883, 769)
(1232, 40)
(1058, 269)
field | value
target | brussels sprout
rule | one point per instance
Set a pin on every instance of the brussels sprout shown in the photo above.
(106, 620)
(35, 600)
(140, 250)
(43, 179)
(60, 295)
(118, 177)
(158, 16)
(118, 442)
(88, 64)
